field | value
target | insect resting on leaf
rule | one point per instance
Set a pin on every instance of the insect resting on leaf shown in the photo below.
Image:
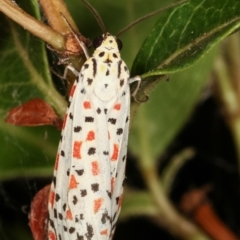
(87, 187)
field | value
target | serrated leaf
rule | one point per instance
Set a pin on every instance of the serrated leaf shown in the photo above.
(185, 34)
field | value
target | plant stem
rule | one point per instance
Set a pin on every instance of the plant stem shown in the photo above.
(37, 28)
(230, 99)
(167, 215)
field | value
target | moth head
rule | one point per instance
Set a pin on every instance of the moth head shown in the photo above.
(107, 42)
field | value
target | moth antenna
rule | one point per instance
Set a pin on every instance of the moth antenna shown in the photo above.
(148, 16)
(96, 15)
(83, 46)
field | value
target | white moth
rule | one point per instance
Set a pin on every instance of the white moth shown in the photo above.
(86, 192)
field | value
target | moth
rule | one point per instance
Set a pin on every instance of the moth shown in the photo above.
(87, 187)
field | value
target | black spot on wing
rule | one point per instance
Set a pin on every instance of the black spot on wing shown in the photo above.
(89, 233)
(62, 153)
(119, 68)
(77, 129)
(94, 66)
(80, 237)
(79, 172)
(105, 217)
(83, 192)
(89, 81)
(91, 151)
(55, 213)
(98, 111)
(89, 119)
(75, 200)
(112, 120)
(119, 131)
(51, 223)
(86, 65)
(60, 216)
(121, 82)
(95, 187)
(109, 194)
(57, 197)
(71, 230)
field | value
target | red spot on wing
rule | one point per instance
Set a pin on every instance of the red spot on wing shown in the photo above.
(56, 162)
(97, 204)
(104, 232)
(117, 106)
(91, 136)
(64, 121)
(51, 198)
(87, 105)
(51, 235)
(69, 214)
(112, 184)
(72, 90)
(114, 156)
(77, 149)
(73, 182)
(95, 168)
(120, 201)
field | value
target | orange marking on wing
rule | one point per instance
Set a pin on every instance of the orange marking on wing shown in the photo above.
(69, 214)
(120, 201)
(73, 182)
(91, 135)
(87, 105)
(77, 149)
(112, 184)
(104, 232)
(95, 168)
(72, 90)
(64, 121)
(114, 156)
(117, 106)
(56, 162)
(51, 197)
(97, 204)
(51, 235)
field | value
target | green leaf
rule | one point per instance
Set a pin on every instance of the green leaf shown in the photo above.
(25, 75)
(185, 34)
(159, 120)
(137, 203)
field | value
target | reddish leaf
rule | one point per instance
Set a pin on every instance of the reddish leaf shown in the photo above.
(35, 112)
(39, 214)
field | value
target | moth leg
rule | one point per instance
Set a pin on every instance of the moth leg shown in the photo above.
(132, 80)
